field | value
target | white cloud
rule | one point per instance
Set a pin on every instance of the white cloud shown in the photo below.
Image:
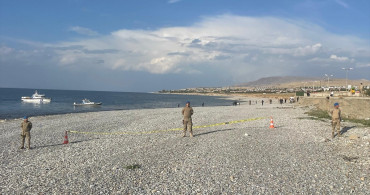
(308, 50)
(363, 65)
(340, 59)
(235, 47)
(342, 3)
(173, 1)
(5, 50)
(83, 31)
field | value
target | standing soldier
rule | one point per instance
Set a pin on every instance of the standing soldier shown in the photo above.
(187, 111)
(26, 132)
(362, 90)
(336, 118)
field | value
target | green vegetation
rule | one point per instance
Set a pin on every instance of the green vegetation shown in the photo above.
(317, 114)
(367, 92)
(132, 167)
(361, 121)
(299, 93)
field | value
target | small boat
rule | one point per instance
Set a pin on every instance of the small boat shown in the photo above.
(86, 102)
(36, 98)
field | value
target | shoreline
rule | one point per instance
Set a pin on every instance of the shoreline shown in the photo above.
(254, 95)
(16, 114)
(224, 97)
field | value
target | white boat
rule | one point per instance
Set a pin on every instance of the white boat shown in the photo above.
(86, 102)
(36, 98)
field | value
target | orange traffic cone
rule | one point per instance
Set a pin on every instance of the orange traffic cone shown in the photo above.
(66, 138)
(272, 124)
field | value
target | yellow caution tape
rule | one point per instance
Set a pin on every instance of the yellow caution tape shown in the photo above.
(159, 131)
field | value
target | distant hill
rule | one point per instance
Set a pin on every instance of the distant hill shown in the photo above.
(269, 81)
(294, 81)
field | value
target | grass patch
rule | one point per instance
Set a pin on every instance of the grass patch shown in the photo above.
(132, 167)
(312, 118)
(361, 121)
(317, 114)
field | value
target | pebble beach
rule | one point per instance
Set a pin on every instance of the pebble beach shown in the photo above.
(143, 152)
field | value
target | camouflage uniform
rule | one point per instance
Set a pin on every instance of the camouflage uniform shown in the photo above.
(187, 121)
(336, 118)
(26, 133)
(362, 90)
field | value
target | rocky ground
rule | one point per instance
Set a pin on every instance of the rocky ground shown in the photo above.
(297, 157)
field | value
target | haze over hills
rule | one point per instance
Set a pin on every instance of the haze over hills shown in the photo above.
(268, 81)
(294, 81)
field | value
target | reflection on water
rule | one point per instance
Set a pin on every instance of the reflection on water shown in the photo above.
(31, 104)
(34, 104)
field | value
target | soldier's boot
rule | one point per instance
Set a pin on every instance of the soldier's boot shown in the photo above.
(191, 134)
(28, 142)
(332, 134)
(184, 134)
(22, 147)
(339, 134)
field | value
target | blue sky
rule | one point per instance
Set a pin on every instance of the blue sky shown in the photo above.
(150, 45)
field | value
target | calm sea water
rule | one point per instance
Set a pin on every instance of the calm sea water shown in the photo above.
(11, 105)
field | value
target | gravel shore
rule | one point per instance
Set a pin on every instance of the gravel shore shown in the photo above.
(297, 157)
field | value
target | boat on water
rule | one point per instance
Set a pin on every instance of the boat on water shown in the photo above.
(36, 98)
(86, 102)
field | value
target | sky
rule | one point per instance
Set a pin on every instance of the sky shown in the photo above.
(151, 45)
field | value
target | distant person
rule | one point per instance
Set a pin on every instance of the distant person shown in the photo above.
(285, 100)
(178, 105)
(332, 94)
(187, 112)
(250, 102)
(335, 119)
(26, 132)
(262, 102)
(203, 104)
(297, 99)
(270, 101)
(362, 90)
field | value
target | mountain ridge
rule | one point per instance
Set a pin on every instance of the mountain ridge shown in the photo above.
(295, 81)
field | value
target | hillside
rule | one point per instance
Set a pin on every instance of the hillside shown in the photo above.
(292, 81)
